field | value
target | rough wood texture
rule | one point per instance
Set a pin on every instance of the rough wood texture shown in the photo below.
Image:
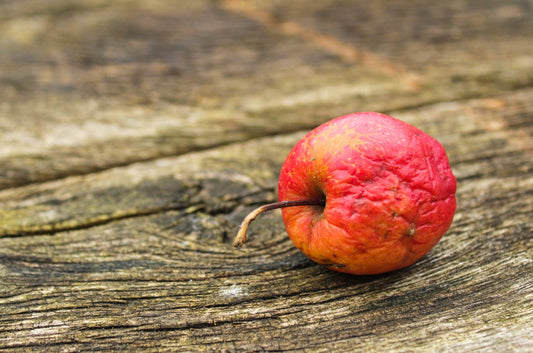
(136, 135)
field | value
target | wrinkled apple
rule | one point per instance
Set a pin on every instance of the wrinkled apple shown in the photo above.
(364, 193)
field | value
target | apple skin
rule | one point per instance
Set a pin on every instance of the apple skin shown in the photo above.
(388, 187)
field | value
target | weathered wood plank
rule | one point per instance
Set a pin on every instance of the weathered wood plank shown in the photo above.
(171, 279)
(89, 85)
(180, 183)
(146, 130)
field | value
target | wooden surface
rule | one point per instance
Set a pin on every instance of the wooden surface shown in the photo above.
(135, 136)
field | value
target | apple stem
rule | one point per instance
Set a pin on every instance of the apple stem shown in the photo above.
(240, 239)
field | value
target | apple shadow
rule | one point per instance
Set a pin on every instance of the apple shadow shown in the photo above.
(380, 282)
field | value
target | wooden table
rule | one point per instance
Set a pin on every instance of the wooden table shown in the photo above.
(136, 135)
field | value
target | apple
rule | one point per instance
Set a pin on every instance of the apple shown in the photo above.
(364, 193)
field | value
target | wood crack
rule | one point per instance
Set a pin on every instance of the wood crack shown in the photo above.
(77, 224)
(346, 52)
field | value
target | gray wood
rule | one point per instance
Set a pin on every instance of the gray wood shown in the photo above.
(135, 136)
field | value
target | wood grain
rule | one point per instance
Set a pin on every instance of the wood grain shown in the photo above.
(136, 135)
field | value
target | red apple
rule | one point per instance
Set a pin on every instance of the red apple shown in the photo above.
(365, 193)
